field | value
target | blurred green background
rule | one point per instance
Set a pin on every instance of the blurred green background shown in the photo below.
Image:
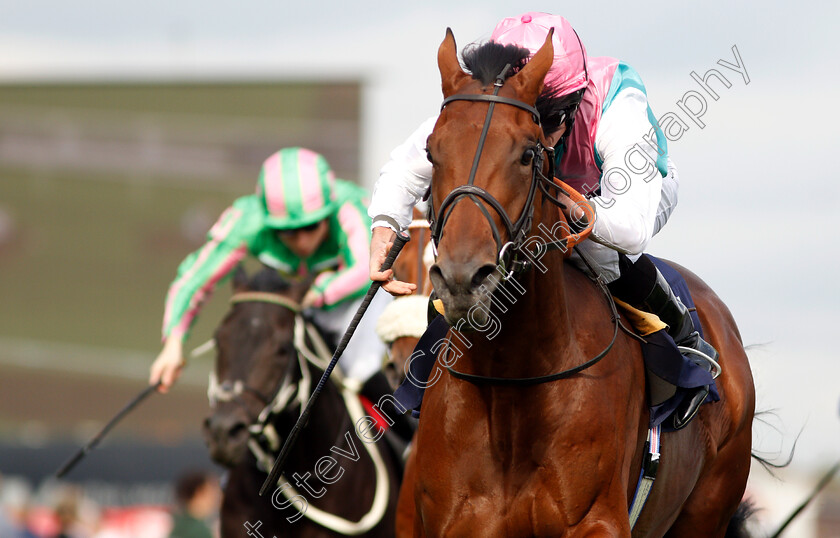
(104, 189)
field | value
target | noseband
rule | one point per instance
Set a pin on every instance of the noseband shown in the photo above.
(506, 253)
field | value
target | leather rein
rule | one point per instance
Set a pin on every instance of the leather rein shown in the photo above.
(565, 374)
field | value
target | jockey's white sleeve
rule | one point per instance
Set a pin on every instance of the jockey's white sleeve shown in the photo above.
(631, 186)
(403, 180)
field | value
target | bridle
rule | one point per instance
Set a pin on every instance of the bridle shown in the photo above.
(507, 254)
(264, 442)
(264, 438)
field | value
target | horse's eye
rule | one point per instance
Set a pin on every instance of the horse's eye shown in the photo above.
(429, 156)
(528, 156)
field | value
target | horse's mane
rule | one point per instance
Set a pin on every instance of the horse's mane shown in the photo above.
(269, 280)
(485, 61)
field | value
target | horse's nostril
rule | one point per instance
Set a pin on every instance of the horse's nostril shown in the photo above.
(481, 275)
(461, 280)
(237, 429)
(436, 277)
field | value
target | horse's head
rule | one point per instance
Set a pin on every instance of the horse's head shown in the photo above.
(487, 149)
(255, 358)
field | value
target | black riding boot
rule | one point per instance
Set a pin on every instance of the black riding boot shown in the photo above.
(662, 302)
(642, 285)
(374, 389)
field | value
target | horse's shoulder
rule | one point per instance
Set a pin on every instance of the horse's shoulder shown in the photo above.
(579, 285)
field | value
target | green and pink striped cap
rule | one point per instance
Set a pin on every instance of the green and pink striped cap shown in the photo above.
(296, 188)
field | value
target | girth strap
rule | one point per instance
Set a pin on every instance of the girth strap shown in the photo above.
(650, 466)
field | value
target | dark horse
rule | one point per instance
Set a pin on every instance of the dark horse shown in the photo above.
(267, 363)
(560, 457)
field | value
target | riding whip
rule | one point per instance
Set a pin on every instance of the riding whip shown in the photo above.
(819, 487)
(77, 457)
(277, 468)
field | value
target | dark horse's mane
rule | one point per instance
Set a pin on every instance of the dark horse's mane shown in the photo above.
(485, 61)
(267, 279)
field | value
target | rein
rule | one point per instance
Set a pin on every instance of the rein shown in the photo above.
(507, 253)
(265, 297)
(565, 374)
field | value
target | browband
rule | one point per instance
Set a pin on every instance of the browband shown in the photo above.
(493, 98)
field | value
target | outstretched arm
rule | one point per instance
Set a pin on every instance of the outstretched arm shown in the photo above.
(197, 277)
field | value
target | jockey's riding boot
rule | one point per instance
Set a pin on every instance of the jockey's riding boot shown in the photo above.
(662, 302)
(374, 389)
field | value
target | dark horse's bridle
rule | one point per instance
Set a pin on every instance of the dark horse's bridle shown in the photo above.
(261, 432)
(264, 440)
(507, 254)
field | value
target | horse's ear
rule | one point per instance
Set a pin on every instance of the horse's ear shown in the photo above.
(451, 74)
(240, 278)
(529, 81)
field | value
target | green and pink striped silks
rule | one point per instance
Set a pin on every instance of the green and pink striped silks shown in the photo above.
(296, 186)
(340, 261)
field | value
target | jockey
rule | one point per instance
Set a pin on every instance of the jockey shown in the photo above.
(302, 220)
(608, 145)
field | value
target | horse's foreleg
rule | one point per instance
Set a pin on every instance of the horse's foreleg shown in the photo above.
(406, 510)
(607, 519)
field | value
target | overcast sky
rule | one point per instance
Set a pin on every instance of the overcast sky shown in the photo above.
(759, 201)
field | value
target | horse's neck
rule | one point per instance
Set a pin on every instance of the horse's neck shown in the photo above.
(536, 322)
(327, 423)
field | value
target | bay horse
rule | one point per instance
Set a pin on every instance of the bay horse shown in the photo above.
(268, 361)
(536, 456)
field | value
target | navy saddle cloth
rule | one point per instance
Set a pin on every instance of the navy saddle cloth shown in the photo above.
(660, 353)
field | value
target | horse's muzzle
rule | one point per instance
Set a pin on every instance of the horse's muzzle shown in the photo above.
(226, 436)
(465, 290)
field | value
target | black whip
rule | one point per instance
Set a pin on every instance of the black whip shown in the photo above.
(77, 457)
(820, 485)
(277, 468)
